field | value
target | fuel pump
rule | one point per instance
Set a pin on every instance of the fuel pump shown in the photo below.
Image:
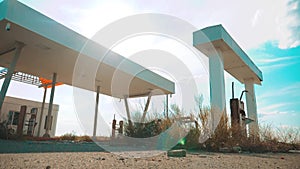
(238, 115)
(121, 127)
(32, 122)
(114, 122)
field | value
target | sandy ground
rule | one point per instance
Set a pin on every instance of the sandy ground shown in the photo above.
(111, 160)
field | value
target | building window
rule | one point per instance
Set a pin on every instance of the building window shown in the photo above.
(13, 117)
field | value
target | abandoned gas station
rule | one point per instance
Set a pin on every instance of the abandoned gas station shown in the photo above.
(40, 51)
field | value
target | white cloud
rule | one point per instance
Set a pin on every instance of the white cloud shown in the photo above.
(272, 108)
(270, 63)
(251, 23)
(291, 90)
(255, 18)
(272, 60)
(273, 113)
(293, 22)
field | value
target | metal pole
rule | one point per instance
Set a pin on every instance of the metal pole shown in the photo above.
(96, 112)
(146, 108)
(48, 124)
(167, 106)
(42, 111)
(10, 72)
(232, 90)
(127, 110)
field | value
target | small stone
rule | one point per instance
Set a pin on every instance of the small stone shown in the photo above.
(224, 150)
(103, 158)
(176, 153)
(48, 167)
(121, 158)
(237, 149)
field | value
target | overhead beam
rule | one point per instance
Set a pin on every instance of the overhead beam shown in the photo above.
(7, 51)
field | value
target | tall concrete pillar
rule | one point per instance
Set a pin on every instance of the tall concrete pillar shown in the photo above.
(49, 121)
(217, 86)
(42, 112)
(251, 107)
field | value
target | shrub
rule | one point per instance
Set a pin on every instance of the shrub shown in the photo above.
(68, 136)
(143, 130)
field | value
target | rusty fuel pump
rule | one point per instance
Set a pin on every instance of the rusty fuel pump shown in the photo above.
(114, 127)
(238, 115)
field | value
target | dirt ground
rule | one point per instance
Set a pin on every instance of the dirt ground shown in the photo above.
(111, 160)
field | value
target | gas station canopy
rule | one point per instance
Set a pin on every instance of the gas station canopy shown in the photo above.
(51, 48)
(236, 61)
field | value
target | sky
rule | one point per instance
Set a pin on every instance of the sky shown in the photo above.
(268, 31)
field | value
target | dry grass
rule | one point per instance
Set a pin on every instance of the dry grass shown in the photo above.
(271, 139)
(202, 136)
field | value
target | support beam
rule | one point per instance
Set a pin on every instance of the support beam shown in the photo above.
(146, 108)
(7, 51)
(11, 69)
(96, 112)
(48, 124)
(251, 107)
(42, 111)
(217, 85)
(127, 110)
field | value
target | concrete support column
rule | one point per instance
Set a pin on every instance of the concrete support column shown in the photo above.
(48, 122)
(146, 108)
(96, 112)
(217, 86)
(127, 111)
(251, 107)
(42, 111)
(10, 72)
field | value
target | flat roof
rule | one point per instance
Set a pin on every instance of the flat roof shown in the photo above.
(51, 47)
(236, 61)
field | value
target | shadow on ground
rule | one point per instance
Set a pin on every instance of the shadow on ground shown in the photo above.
(15, 146)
